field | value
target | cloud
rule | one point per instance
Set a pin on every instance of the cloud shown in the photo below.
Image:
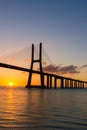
(84, 66)
(51, 68)
(71, 69)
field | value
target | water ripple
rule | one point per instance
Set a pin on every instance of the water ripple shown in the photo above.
(43, 109)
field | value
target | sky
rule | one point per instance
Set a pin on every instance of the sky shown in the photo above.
(61, 25)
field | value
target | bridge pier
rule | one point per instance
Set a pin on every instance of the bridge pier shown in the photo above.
(62, 83)
(78, 84)
(47, 81)
(66, 83)
(55, 82)
(31, 68)
(75, 84)
(71, 83)
(50, 81)
(83, 85)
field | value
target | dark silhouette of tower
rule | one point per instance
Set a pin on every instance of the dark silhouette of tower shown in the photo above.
(40, 65)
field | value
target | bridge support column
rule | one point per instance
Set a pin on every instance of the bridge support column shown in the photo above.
(62, 83)
(66, 83)
(75, 84)
(47, 81)
(78, 84)
(83, 84)
(50, 81)
(71, 83)
(31, 68)
(55, 82)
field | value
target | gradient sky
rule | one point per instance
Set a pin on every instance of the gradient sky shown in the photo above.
(61, 25)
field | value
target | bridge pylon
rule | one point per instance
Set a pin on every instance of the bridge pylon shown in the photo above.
(40, 65)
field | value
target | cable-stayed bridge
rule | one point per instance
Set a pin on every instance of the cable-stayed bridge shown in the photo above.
(47, 80)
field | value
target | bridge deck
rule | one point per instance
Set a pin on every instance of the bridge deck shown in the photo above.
(36, 72)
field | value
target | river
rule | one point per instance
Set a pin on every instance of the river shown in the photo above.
(47, 109)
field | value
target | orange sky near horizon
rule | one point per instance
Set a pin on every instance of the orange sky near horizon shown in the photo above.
(19, 78)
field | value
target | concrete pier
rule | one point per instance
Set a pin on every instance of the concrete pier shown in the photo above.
(55, 82)
(66, 83)
(62, 83)
(71, 83)
(50, 81)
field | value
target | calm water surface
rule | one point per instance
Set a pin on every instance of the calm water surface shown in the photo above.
(43, 109)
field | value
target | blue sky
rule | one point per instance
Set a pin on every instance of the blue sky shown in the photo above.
(61, 25)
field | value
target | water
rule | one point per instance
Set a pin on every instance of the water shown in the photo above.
(47, 109)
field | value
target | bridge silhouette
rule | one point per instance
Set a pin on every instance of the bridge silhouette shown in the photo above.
(65, 82)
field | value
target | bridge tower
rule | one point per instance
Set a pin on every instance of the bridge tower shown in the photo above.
(40, 65)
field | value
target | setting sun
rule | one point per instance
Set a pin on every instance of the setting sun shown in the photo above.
(11, 84)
